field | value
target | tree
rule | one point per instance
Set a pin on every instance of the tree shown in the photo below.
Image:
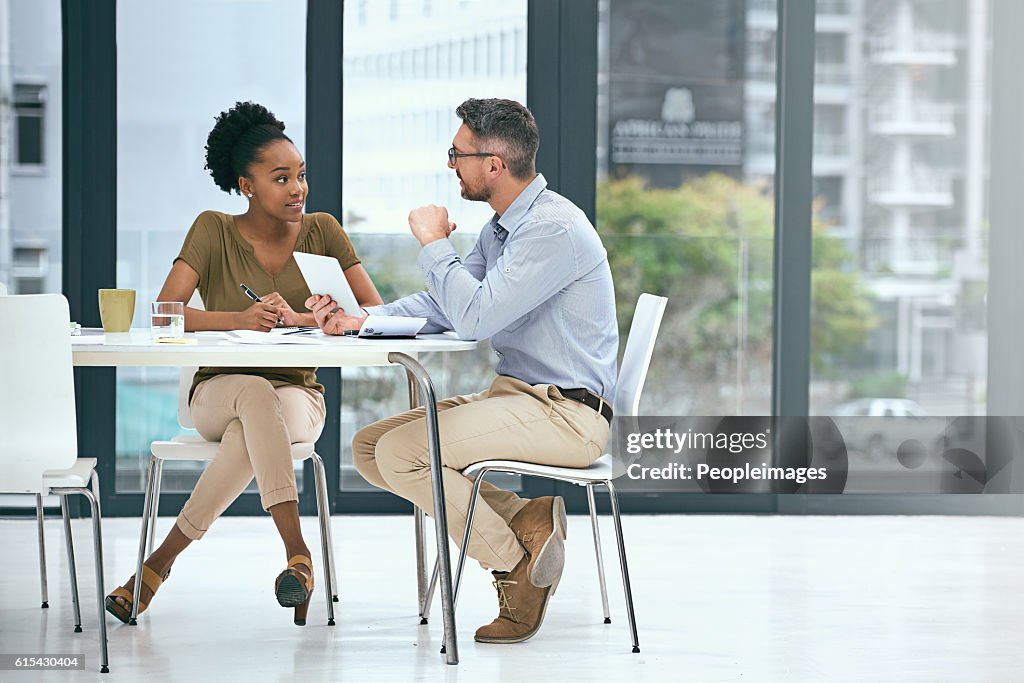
(707, 246)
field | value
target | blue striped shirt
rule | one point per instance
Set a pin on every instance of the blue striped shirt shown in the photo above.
(537, 284)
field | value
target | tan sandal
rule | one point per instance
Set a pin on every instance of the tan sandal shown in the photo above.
(294, 587)
(150, 580)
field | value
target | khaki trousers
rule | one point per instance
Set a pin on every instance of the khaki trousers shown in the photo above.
(256, 421)
(510, 421)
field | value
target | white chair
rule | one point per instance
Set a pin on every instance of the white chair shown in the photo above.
(44, 593)
(192, 447)
(39, 449)
(636, 359)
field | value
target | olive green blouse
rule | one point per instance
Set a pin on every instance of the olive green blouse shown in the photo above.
(224, 259)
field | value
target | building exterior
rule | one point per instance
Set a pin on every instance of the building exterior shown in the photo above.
(900, 171)
(30, 146)
(408, 65)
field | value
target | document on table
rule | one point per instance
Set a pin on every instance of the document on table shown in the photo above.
(254, 337)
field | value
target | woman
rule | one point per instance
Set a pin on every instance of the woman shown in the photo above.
(256, 413)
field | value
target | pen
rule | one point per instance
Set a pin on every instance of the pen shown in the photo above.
(249, 293)
(252, 295)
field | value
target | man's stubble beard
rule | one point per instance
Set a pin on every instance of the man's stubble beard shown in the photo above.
(475, 195)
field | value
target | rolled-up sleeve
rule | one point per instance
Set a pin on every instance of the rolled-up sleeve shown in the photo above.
(537, 262)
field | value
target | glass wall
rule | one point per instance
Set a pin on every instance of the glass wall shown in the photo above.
(904, 192)
(408, 64)
(684, 198)
(30, 147)
(171, 84)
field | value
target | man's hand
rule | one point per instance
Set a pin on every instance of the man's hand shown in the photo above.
(330, 318)
(430, 223)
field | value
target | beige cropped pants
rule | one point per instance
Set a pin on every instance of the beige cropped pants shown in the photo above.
(512, 420)
(256, 421)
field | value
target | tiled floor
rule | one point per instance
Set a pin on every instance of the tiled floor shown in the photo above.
(717, 598)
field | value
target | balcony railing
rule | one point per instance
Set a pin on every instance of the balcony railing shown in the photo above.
(821, 7)
(917, 118)
(918, 41)
(921, 113)
(921, 187)
(929, 255)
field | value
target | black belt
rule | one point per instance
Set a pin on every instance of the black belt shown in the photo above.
(590, 399)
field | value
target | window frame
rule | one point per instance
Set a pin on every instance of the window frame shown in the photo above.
(561, 87)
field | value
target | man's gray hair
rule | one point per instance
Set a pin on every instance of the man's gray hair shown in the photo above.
(505, 128)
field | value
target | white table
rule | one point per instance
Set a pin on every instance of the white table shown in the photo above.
(94, 349)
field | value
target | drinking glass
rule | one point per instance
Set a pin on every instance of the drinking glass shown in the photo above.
(167, 320)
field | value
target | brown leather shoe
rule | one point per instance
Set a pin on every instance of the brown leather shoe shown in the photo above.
(521, 607)
(540, 527)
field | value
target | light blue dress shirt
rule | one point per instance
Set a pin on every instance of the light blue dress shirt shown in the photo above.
(537, 284)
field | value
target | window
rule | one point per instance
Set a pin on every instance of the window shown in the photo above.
(397, 131)
(161, 183)
(686, 101)
(29, 114)
(904, 216)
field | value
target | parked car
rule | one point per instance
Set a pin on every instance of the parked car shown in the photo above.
(883, 424)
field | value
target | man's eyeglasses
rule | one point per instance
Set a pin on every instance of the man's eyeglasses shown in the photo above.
(453, 155)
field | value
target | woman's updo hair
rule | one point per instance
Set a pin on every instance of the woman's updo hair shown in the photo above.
(236, 141)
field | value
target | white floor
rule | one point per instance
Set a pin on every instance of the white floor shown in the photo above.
(717, 598)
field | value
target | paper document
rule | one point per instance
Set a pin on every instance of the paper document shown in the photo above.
(254, 337)
(391, 326)
(92, 339)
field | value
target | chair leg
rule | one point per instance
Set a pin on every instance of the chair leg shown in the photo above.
(473, 498)
(335, 589)
(156, 507)
(40, 517)
(71, 562)
(97, 536)
(428, 597)
(597, 551)
(419, 518)
(323, 515)
(147, 512)
(622, 562)
(463, 551)
(424, 595)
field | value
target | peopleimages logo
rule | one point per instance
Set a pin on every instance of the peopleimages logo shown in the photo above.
(818, 454)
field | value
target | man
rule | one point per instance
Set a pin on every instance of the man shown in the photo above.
(538, 285)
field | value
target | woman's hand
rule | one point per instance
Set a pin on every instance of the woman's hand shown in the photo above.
(288, 317)
(261, 316)
(330, 318)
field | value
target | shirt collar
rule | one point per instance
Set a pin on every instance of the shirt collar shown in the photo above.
(513, 216)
